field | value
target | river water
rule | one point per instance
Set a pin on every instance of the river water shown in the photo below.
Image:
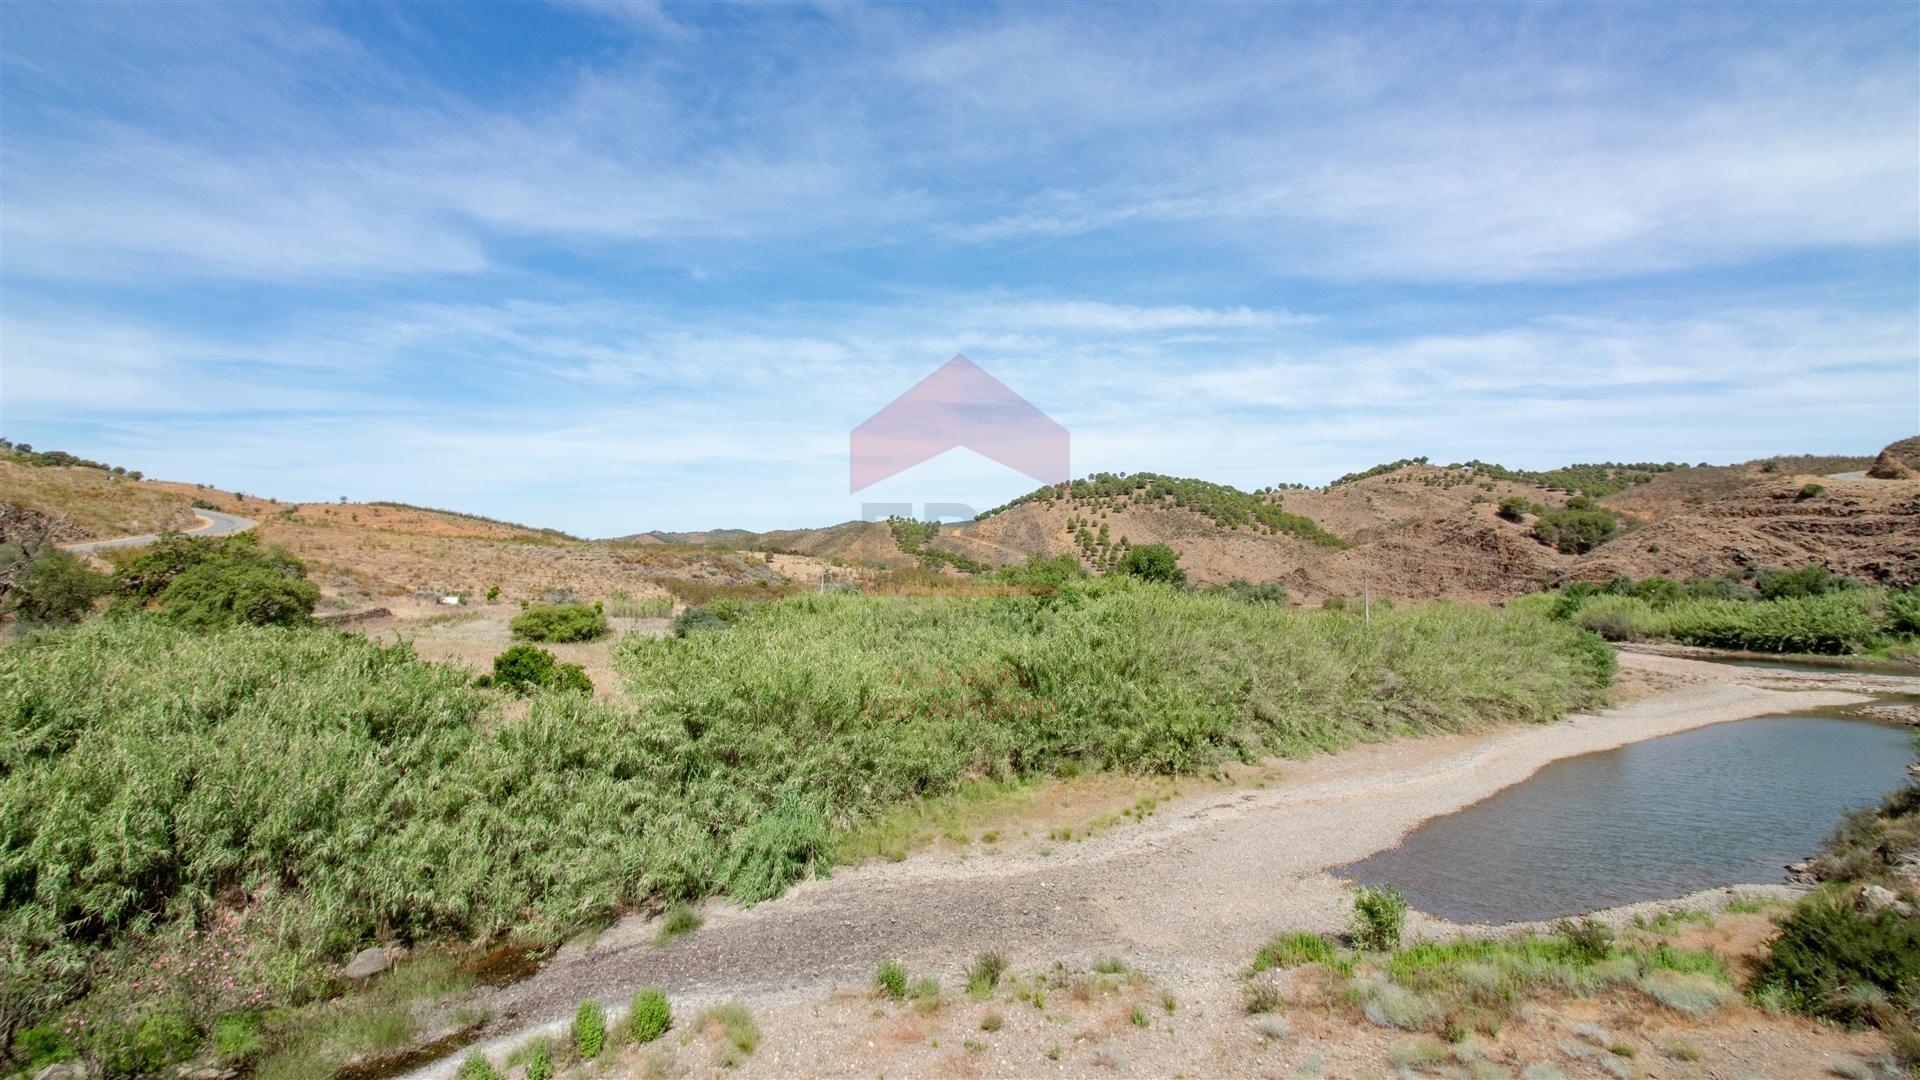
(1720, 805)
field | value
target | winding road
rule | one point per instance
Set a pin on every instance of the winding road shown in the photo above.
(217, 524)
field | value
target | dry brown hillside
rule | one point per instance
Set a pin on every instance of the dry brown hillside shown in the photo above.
(94, 502)
(1867, 529)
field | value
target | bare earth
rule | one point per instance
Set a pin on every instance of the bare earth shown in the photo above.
(1184, 899)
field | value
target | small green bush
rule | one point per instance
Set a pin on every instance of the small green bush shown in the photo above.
(1293, 950)
(679, 921)
(1515, 508)
(560, 623)
(1828, 950)
(237, 1037)
(540, 1060)
(1810, 491)
(741, 1036)
(1379, 915)
(1575, 530)
(477, 1067)
(649, 1017)
(1589, 940)
(1901, 611)
(1266, 592)
(493, 593)
(526, 668)
(1154, 562)
(1812, 579)
(56, 587)
(985, 974)
(891, 978)
(142, 1045)
(589, 1031)
(699, 620)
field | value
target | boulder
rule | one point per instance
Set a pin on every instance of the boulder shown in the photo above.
(1879, 897)
(367, 963)
(66, 1070)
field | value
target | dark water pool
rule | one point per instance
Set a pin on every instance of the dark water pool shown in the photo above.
(1720, 805)
(1820, 666)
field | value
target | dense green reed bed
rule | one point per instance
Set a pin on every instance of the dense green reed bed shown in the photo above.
(341, 792)
(1841, 621)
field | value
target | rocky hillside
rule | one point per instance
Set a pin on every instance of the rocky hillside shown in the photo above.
(1412, 530)
(1407, 530)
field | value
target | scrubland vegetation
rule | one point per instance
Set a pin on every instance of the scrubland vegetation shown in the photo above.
(1799, 611)
(561, 623)
(1226, 506)
(1841, 953)
(162, 773)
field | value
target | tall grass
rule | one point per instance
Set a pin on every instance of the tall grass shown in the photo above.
(1837, 622)
(352, 792)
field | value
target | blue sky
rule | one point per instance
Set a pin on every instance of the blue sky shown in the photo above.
(612, 267)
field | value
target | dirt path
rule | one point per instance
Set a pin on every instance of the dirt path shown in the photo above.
(1185, 897)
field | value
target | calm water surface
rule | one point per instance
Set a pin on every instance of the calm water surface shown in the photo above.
(1720, 805)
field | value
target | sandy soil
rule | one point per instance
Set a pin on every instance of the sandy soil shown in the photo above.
(1184, 899)
(473, 635)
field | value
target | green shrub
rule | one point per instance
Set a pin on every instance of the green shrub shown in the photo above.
(141, 1045)
(1809, 580)
(1293, 950)
(1901, 611)
(237, 1037)
(1267, 592)
(34, 1048)
(1154, 562)
(589, 1030)
(560, 623)
(1828, 950)
(699, 620)
(540, 1060)
(55, 587)
(1574, 530)
(1040, 570)
(1810, 491)
(477, 1067)
(649, 1017)
(1515, 508)
(679, 921)
(1589, 940)
(526, 668)
(1378, 916)
(1832, 622)
(206, 583)
(891, 978)
(493, 593)
(739, 1034)
(985, 974)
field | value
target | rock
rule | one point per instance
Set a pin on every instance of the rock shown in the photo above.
(1801, 873)
(66, 1070)
(367, 963)
(1888, 467)
(1879, 897)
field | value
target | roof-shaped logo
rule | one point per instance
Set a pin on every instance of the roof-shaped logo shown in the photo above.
(959, 405)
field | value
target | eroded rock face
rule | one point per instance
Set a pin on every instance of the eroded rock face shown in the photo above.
(1888, 467)
(19, 523)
